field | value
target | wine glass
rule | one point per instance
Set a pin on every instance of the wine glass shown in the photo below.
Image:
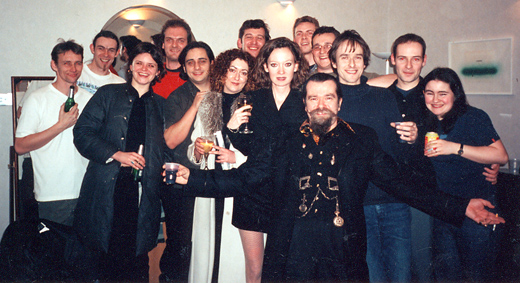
(243, 100)
(207, 144)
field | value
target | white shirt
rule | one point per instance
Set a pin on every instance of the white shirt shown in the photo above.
(91, 81)
(58, 166)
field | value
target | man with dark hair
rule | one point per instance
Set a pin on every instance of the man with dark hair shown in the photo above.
(303, 30)
(45, 130)
(252, 35)
(128, 43)
(388, 220)
(180, 110)
(176, 35)
(322, 40)
(95, 74)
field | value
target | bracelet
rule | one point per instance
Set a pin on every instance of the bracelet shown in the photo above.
(233, 131)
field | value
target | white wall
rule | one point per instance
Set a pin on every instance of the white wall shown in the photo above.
(30, 30)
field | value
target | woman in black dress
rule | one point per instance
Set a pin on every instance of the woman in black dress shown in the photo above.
(277, 110)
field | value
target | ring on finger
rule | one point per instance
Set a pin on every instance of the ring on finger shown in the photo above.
(132, 162)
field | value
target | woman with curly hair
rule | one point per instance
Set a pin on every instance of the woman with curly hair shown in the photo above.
(229, 76)
(278, 110)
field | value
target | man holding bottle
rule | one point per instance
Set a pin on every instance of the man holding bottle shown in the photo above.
(45, 130)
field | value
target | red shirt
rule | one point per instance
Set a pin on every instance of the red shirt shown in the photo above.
(170, 82)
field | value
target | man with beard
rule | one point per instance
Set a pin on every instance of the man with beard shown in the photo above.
(319, 230)
(95, 74)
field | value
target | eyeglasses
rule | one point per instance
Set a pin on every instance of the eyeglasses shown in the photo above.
(318, 47)
(232, 71)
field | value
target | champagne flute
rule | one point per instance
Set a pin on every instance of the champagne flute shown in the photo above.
(243, 100)
(207, 144)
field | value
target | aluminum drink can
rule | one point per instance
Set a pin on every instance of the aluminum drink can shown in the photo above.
(430, 136)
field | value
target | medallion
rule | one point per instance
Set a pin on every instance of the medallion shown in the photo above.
(338, 221)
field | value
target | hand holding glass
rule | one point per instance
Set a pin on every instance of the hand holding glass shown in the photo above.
(171, 172)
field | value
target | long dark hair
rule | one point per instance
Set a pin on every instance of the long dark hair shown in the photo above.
(460, 105)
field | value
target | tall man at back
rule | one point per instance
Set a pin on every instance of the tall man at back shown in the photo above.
(176, 35)
(252, 36)
(303, 30)
(45, 130)
(105, 48)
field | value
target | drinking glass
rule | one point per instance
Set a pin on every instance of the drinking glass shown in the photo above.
(207, 143)
(243, 100)
(171, 170)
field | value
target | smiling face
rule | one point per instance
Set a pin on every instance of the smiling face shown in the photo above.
(349, 63)
(303, 36)
(236, 77)
(281, 67)
(144, 70)
(175, 39)
(321, 45)
(252, 41)
(197, 66)
(104, 51)
(68, 68)
(322, 104)
(439, 98)
(408, 62)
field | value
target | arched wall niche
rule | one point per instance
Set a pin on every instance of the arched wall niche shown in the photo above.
(142, 21)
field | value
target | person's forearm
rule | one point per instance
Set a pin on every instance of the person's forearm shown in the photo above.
(494, 153)
(38, 140)
(179, 131)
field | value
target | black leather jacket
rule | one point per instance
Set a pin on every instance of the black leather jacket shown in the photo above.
(99, 133)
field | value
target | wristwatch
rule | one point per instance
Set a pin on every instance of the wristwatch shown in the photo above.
(461, 150)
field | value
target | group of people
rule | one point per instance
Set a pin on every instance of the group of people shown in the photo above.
(319, 191)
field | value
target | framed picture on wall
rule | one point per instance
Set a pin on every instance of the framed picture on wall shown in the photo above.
(484, 66)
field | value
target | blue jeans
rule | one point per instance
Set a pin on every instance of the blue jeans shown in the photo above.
(389, 247)
(466, 253)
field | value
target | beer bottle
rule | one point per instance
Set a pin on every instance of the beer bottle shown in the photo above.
(69, 103)
(138, 173)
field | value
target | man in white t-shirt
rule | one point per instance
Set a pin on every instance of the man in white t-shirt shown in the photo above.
(105, 48)
(45, 130)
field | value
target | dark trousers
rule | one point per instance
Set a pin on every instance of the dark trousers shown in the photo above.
(464, 254)
(121, 262)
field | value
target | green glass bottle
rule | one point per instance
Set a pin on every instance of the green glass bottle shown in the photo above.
(138, 173)
(69, 103)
